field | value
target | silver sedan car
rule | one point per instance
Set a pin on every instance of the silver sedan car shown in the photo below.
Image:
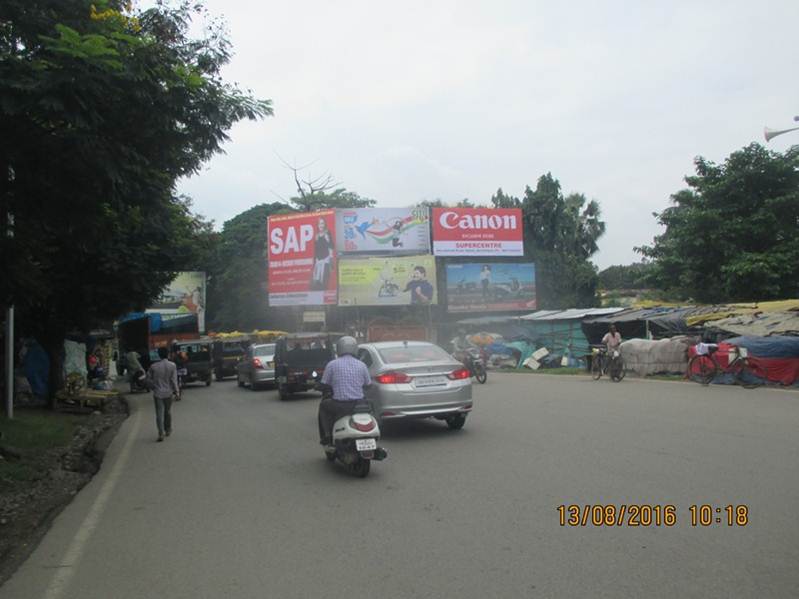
(257, 366)
(415, 379)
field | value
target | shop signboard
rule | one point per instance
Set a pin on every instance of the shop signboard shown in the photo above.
(184, 295)
(387, 281)
(302, 259)
(478, 232)
(383, 230)
(490, 286)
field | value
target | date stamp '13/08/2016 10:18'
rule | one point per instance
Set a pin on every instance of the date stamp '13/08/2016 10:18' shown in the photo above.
(634, 515)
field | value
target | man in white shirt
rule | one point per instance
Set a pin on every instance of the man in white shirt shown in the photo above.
(612, 339)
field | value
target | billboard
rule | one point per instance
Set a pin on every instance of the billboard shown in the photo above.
(478, 232)
(490, 286)
(387, 281)
(383, 230)
(184, 295)
(302, 259)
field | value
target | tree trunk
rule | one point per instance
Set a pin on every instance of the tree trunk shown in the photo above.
(54, 346)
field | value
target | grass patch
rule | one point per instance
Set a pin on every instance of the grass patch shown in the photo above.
(32, 432)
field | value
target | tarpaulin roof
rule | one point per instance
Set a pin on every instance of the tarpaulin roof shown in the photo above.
(571, 314)
(761, 325)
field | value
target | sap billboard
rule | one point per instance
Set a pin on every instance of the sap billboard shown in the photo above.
(478, 232)
(383, 230)
(302, 259)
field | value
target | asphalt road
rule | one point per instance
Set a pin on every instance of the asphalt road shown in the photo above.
(240, 502)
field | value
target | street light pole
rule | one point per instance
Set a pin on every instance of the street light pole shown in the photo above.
(771, 133)
(10, 363)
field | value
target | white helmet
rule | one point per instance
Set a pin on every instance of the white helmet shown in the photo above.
(347, 345)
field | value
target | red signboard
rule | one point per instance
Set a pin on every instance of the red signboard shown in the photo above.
(477, 232)
(302, 259)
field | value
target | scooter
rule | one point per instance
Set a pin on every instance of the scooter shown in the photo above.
(138, 382)
(355, 441)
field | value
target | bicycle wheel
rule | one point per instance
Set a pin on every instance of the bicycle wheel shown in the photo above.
(596, 366)
(617, 371)
(702, 369)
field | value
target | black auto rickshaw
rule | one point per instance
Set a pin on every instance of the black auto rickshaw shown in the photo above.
(300, 360)
(193, 359)
(226, 354)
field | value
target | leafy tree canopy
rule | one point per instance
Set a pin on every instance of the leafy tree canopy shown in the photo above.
(561, 234)
(102, 109)
(734, 233)
(629, 276)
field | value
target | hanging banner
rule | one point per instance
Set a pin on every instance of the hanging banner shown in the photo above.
(383, 230)
(490, 286)
(302, 259)
(184, 295)
(478, 232)
(387, 281)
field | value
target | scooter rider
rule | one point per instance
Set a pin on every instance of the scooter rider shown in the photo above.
(347, 377)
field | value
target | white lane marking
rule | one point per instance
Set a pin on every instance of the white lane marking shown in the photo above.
(75, 550)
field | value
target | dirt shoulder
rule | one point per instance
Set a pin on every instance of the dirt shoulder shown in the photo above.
(45, 459)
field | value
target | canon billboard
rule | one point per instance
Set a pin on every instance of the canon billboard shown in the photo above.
(477, 232)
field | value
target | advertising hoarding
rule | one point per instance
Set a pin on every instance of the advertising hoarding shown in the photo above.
(387, 281)
(184, 295)
(478, 232)
(383, 230)
(490, 286)
(302, 259)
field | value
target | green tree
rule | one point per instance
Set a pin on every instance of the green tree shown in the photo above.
(237, 296)
(627, 276)
(734, 233)
(101, 111)
(561, 234)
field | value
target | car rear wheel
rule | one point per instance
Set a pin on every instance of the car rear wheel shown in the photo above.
(455, 423)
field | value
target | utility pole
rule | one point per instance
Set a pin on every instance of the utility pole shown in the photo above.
(9, 349)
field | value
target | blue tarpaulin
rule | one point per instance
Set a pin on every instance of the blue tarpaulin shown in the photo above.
(775, 346)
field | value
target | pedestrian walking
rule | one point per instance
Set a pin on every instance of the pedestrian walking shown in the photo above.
(162, 378)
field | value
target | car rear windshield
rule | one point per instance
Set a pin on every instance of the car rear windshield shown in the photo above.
(412, 353)
(265, 350)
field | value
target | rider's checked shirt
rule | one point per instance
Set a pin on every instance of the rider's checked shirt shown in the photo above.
(348, 376)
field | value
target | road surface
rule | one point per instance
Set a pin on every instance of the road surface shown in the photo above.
(240, 502)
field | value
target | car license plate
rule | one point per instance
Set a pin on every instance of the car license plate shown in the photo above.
(430, 381)
(365, 444)
(183, 371)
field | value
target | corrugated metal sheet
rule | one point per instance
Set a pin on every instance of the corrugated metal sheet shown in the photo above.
(571, 314)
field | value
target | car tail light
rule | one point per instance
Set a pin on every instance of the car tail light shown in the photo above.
(461, 373)
(364, 427)
(392, 378)
(257, 363)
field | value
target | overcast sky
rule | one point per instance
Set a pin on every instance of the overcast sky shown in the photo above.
(414, 100)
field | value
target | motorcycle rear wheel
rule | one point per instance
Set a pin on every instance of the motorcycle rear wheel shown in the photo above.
(480, 373)
(360, 468)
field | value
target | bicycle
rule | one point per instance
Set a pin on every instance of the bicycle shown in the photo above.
(704, 367)
(602, 363)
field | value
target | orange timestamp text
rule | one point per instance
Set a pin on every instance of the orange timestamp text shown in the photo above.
(633, 515)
